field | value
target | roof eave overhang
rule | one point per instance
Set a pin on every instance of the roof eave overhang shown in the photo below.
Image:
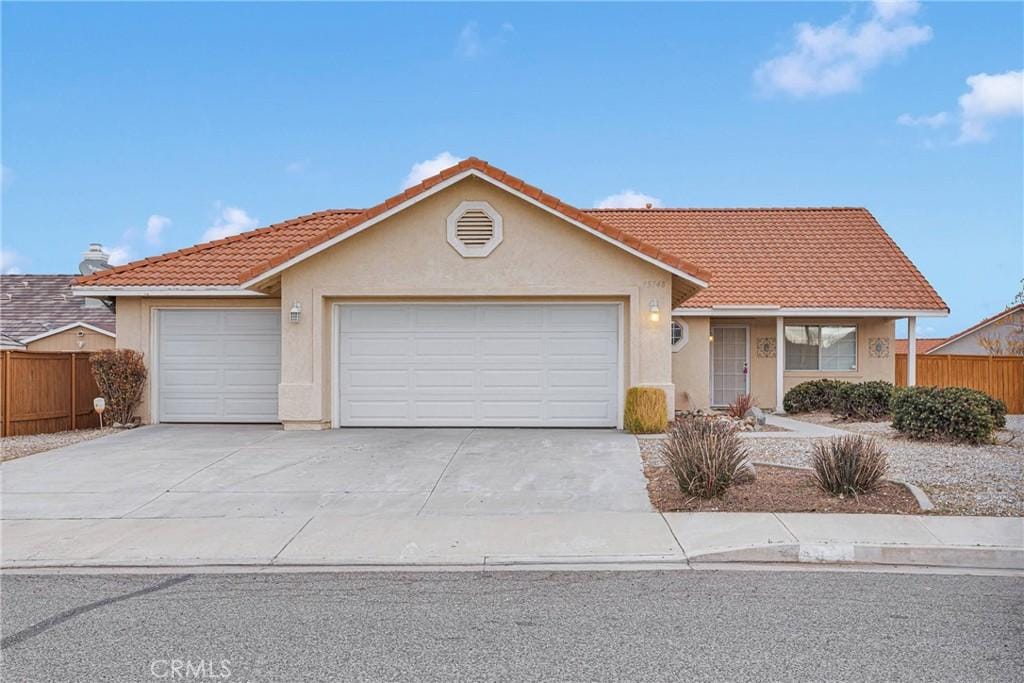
(759, 311)
(274, 271)
(164, 291)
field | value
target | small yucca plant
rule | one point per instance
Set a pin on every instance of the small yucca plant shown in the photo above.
(739, 408)
(705, 456)
(848, 465)
(646, 410)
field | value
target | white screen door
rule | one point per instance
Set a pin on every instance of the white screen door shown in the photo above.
(728, 364)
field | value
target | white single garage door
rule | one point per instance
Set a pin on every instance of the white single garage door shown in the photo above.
(478, 364)
(218, 365)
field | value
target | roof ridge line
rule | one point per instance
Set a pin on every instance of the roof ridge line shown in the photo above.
(710, 209)
(203, 246)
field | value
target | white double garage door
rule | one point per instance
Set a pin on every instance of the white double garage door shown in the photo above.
(472, 364)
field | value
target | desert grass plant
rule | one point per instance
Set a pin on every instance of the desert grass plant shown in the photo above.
(848, 465)
(120, 375)
(646, 410)
(739, 408)
(705, 456)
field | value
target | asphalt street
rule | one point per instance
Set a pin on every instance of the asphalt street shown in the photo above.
(565, 626)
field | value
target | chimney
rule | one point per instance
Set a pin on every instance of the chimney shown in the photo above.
(94, 259)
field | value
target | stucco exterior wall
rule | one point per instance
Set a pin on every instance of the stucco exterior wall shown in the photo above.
(135, 321)
(407, 258)
(68, 341)
(691, 365)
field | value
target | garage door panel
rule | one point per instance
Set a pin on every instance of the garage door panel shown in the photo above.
(479, 364)
(218, 365)
(443, 379)
(195, 377)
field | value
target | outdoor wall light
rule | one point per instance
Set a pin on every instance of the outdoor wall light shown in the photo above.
(655, 311)
(295, 313)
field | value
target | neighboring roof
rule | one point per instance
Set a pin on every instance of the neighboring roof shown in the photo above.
(37, 305)
(9, 342)
(924, 344)
(1019, 308)
(792, 258)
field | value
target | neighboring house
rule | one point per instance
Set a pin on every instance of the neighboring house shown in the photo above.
(999, 335)
(476, 299)
(39, 313)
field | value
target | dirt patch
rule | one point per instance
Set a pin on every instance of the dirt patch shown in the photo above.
(775, 489)
(13, 447)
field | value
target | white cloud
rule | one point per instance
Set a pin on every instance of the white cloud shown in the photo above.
(827, 60)
(120, 254)
(297, 167)
(990, 97)
(933, 121)
(629, 199)
(155, 225)
(471, 44)
(9, 260)
(422, 170)
(230, 221)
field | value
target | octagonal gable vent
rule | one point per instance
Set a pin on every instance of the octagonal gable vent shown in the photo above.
(474, 229)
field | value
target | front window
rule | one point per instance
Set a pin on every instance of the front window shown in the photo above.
(680, 333)
(821, 347)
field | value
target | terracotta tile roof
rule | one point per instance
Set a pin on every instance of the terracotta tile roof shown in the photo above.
(833, 257)
(31, 305)
(472, 163)
(222, 261)
(799, 258)
(924, 344)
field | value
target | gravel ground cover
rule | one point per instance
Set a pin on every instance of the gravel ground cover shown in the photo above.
(12, 447)
(960, 479)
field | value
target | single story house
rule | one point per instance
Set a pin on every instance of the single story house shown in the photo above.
(474, 298)
(999, 335)
(39, 313)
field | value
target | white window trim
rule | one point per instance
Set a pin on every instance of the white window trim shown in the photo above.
(468, 251)
(856, 348)
(684, 338)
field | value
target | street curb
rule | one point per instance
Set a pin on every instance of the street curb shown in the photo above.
(963, 557)
(923, 501)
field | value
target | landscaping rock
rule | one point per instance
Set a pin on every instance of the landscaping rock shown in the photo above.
(757, 414)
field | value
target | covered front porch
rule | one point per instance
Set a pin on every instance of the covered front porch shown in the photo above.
(719, 355)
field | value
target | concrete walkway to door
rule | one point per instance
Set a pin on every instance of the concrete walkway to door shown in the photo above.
(225, 471)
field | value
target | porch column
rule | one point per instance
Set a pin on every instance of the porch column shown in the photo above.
(912, 351)
(780, 362)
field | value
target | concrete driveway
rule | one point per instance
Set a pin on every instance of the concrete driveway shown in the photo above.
(231, 471)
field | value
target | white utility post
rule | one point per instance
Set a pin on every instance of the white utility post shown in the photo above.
(780, 362)
(912, 351)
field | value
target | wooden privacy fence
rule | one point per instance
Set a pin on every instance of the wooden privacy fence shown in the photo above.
(46, 392)
(1001, 377)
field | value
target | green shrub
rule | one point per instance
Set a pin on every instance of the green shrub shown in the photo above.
(120, 375)
(848, 465)
(862, 401)
(953, 413)
(705, 456)
(646, 410)
(812, 396)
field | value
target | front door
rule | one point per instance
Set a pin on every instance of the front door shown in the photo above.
(730, 369)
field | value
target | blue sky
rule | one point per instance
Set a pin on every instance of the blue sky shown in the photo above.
(146, 127)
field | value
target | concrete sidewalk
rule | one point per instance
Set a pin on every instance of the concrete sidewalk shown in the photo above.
(575, 539)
